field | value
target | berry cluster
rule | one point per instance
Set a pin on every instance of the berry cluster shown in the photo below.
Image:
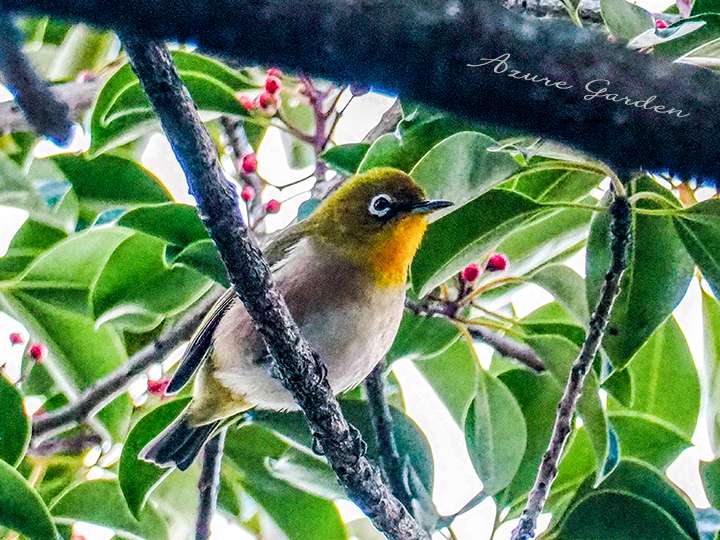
(37, 351)
(496, 263)
(268, 100)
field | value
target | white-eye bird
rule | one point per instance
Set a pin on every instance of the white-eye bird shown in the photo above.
(343, 274)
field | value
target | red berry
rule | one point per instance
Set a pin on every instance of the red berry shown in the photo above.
(249, 163)
(274, 72)
(247, 194)
(497, 262)
(246, 102)
(37, 352)
(157, 388)
(471, 272)
(272, 206)
(16, 338)
(272, 84)
(661, 25)
(266, 100)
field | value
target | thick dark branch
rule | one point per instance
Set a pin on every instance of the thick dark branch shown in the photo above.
(387, 447)
(105, 390)
(508, 347)
(295, 364)
(209, 484)
(620, 229)
(589, 9)
(78, 96)
(43, 111)
(425, 45)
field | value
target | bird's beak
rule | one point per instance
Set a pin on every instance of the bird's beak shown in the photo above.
(426, 207)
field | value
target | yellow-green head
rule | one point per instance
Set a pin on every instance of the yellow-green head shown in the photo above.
(377, 219)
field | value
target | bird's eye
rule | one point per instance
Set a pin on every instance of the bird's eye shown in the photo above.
(380, 205)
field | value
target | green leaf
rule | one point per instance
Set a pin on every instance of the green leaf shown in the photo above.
(15, 426)
(299, 514)
(567, 287)
(453, 375)
(138, 477)
(711, 332)
(100, 502)
(467, 234)
(82, 49)
(693, 39)
(345, 158)
(414, 137)
(136, 289)
(625, 20)
(665, 382)
(30, 241)
(51, 299)
(645, 481)
(597, 516)
(122, 112)
(107, 182)
(306, 472)
(462, 167)
(21, 508)
(555, 181)
(710, 474)
(495, 434)
(559, 354)
(647, 437)
(699, 230)
(658, 274)
(175, 223)
(203, 256)
(421, 337)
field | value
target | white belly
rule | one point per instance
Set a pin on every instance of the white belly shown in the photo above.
(347, 333)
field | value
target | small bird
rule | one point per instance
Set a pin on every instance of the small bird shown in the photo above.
(343, 274)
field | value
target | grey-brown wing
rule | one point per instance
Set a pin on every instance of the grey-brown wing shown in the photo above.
(201, 343)
(276, 251)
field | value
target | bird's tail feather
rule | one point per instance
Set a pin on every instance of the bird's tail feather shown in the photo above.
(179, 444)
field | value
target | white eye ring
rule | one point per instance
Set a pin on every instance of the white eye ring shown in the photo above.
(380, 205)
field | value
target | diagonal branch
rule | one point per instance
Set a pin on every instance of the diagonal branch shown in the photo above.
(209, 484)
(295, 364)
(105, 390)
(621, 230)
(425, 45)
(387, 447)
(43, 110)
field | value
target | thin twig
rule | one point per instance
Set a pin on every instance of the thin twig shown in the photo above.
(71, 445)
(508, 347)
(294, 363)
(620, 230)
(43, 110)
(105, 390)
(382, 420)
(209, 484)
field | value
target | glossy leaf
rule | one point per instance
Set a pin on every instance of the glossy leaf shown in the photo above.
(100, 502)
(648, 438)
(624, 19)
(658, 274)
(175, 223)
(711, 333)
(466, 235)
(414, 137)
(495, 434)
(567, 287)
(596, 516)
(298, 513)
(421, 338)
(31, 239)
(462, 167)
(203, 256)
(306, 472)
(138, 478)
(453, 375)
(15, 426)
(710, 474)
(699, 230)
(122, 112)
(665, 382)
(136, 289)
(21, 508)
(345, 158)
(108, 181)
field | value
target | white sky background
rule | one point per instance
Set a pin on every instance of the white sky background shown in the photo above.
(455, 479)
